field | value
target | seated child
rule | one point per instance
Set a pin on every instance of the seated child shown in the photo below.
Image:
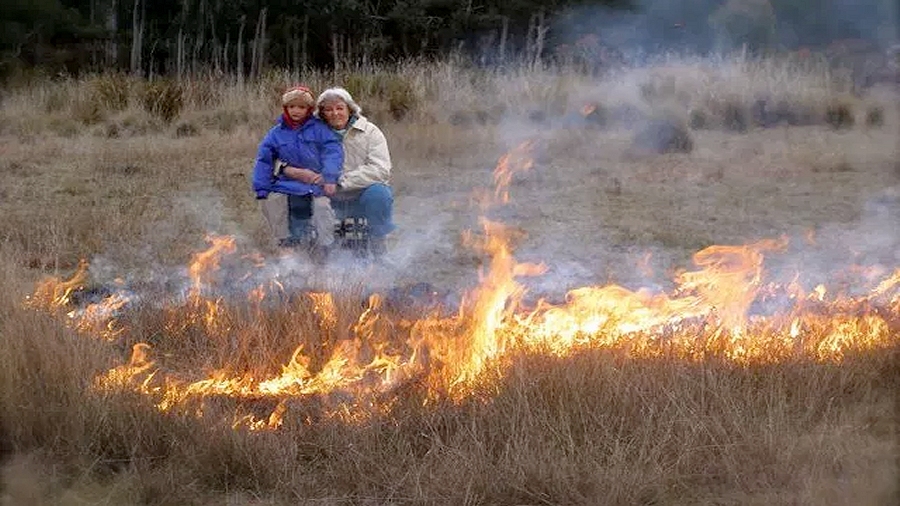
(299, 139)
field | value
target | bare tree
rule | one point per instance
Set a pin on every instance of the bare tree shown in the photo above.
(199, 38)
(137, 35)
(215, 47)
(259, 43)
(336, 50)
(240, 52)
(534, 44)
(226, 67)
(179, 53)
(293, 48)
(112, 26)
(504, 34)
(304, 43)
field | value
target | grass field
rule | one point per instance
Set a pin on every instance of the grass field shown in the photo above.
(724, 408)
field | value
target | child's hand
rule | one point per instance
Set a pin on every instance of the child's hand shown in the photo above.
(329, 188)
(303, 175)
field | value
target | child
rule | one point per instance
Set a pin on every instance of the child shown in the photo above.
(299, 139)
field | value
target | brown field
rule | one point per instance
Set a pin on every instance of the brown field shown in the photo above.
(90, 170)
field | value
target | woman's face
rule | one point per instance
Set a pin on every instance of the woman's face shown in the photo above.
(336, 113)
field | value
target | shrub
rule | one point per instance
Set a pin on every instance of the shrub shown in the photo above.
(401, 97)
(202, 93)
(766, 113)
(734, 117)
(785, 113)
(490, 116)
(140, 124)
(111, 91)
(112, 130)
(88, 109)
(839, 115)
(699, 119)
(359, 84)
(762, 113)
(225, 120)
(186, 129)
(163, 98)
(56, 98)
(396, 92)
(461, 118)
(663, 135)
(537, 115)
(875, 116)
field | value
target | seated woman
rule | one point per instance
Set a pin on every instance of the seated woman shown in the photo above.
(364, 186)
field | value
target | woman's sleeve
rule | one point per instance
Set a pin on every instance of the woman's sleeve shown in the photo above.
(377, 165)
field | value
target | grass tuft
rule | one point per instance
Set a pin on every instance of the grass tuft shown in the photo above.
(874, 116)
(112, 91)
(186, 129)
(839, 115)
(163, 98)
(663, 135)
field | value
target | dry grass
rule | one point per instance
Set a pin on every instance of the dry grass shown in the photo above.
(106, 180)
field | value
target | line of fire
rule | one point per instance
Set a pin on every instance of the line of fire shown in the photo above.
(271, 355)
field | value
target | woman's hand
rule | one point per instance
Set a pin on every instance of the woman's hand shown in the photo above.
(303, 175)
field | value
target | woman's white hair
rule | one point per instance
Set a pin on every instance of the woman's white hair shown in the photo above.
(338, 93)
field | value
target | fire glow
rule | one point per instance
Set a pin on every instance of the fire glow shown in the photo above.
(354, 361)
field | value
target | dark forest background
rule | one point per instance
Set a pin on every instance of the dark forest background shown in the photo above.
(245, 37)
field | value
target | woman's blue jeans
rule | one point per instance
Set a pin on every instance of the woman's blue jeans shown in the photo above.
(375, 203)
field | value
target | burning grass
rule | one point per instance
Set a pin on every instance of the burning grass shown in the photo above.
(206, 344)
(545, 427)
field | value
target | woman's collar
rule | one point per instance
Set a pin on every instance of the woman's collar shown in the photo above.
(356, 121)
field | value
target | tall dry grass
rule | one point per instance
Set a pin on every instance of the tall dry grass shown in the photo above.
(714, 90)
(97, 168)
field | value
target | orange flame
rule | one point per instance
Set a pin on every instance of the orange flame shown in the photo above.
(207, 261)
(517, 160)
(53, 293)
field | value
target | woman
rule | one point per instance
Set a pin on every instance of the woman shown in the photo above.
(303, 140)
(364, 186)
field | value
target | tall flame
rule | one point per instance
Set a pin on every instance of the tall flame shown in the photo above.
(207, 261)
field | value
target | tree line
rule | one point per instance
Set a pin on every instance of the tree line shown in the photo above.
(245, 37)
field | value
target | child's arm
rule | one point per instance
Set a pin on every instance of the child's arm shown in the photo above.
(262, 171)
(332, 155)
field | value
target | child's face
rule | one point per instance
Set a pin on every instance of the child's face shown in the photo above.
(336, 113)
(298, 110)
